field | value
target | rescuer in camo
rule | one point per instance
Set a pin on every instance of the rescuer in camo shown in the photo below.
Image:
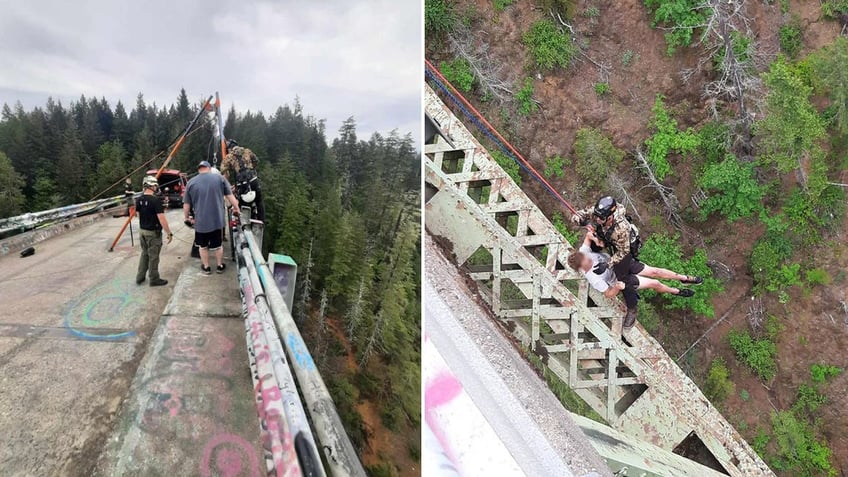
(152, 221)
(243, 162)
(613, 230)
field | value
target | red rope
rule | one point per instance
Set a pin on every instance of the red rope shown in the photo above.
(494, 131)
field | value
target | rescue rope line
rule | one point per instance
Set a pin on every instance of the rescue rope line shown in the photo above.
(489, 131)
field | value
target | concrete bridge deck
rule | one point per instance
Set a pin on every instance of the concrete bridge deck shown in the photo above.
(74, 328)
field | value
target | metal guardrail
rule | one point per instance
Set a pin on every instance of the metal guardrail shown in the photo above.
(278, 355)
(33, 220)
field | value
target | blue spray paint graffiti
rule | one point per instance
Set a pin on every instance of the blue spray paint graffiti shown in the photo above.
(301, 354)
(101, 305)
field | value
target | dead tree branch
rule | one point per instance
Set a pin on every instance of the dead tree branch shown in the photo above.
(488, 73)
(672, 205)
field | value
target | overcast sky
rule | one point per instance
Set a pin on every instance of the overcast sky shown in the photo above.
(342, 58)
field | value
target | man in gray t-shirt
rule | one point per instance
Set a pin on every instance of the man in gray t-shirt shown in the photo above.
(204, 194)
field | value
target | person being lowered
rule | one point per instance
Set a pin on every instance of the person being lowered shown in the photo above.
(151, 218)
(613, 231)
(594, 266)
(243, 162)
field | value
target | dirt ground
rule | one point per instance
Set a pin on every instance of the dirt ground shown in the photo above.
(815, 326)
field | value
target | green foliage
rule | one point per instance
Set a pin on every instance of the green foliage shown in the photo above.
(757, 354)
(731, 189)
(572, 236)
(628, 57)
(382, 469)
(440, 17)
(591, 12)
(828, 76)
(509, 165)
(569, 399)
(45, 193)
(768, 252)
(602, 89)
(664, 251)
(792, 129)
(595, 156)
(648, 317)
(790, 35)
(809, 399)
(798, 451)
(549, 46)
(459, 73)
(741, 47)
(820, 373)
(524, 96)
(714, 142)
(818, 276)
(554, 166)
(834, 8)
(500, 5)
(667, 138)
(681, 17)
(11, 189)
(111, 168)
(718, 385)
(744, 395)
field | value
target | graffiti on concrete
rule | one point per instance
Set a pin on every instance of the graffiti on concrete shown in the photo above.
(229, 455)
(301, 354)
(99, 307)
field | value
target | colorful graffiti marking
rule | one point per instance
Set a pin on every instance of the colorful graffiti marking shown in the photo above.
(301, 354)
(225, 455)
(101, 305)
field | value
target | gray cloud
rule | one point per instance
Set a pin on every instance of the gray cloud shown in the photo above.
(341, 58)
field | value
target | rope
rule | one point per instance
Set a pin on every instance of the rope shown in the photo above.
(489, 131)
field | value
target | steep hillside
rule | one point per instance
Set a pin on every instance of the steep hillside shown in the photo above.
(723, 126)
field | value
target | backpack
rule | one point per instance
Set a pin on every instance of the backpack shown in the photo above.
(246, 178)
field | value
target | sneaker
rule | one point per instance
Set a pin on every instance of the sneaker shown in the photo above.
(158, 282)
(206, 270)
(220, 268)
(690, 280)
(630, 317)
(685, 293)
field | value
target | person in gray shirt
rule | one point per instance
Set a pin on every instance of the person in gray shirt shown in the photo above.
(205, 194)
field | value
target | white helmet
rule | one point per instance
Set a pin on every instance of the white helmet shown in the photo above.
(150, 182)
(248, 197)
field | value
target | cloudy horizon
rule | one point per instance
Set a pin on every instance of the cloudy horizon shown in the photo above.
(259, 55)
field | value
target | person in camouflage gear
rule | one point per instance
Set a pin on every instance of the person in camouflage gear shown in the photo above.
(243, 162)
(614, 231)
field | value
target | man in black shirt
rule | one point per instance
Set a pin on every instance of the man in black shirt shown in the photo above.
(151, 218)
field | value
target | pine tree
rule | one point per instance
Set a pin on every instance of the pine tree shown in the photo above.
(11, 189)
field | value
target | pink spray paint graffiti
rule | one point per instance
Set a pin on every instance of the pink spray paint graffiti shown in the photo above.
(225, 455)
(438, 392)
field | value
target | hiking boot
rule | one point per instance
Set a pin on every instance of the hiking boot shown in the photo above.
(220, 268)
(630, 318)
(690, 280)
(685, 293)
(206, 270)
(158, 282)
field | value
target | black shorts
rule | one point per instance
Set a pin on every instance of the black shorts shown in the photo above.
(211, 240)
(627, 269)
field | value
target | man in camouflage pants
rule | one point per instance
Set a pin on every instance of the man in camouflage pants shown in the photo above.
(243, 162)
(614, 231)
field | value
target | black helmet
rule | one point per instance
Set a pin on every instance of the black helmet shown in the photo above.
(604, 207)
(231, 143)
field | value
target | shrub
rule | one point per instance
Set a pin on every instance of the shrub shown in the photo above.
(526, 104)
(834, 8)
(809, 399)
(682, 17)
(822, 372)
(591, 12)
(732, 189)
(628, 57)
(757, 354)
(790, 37)
(818, 276)
(602, 88)
(718, 385)
(459, 73)
(500, 5)
(666, 139)
(572, 236)
(595, 156)
(773, 248)
(798, 451)
(714, 142)
(664, 251)
(439, 17)
(509, 165)
(549, 46)
(554, 166)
